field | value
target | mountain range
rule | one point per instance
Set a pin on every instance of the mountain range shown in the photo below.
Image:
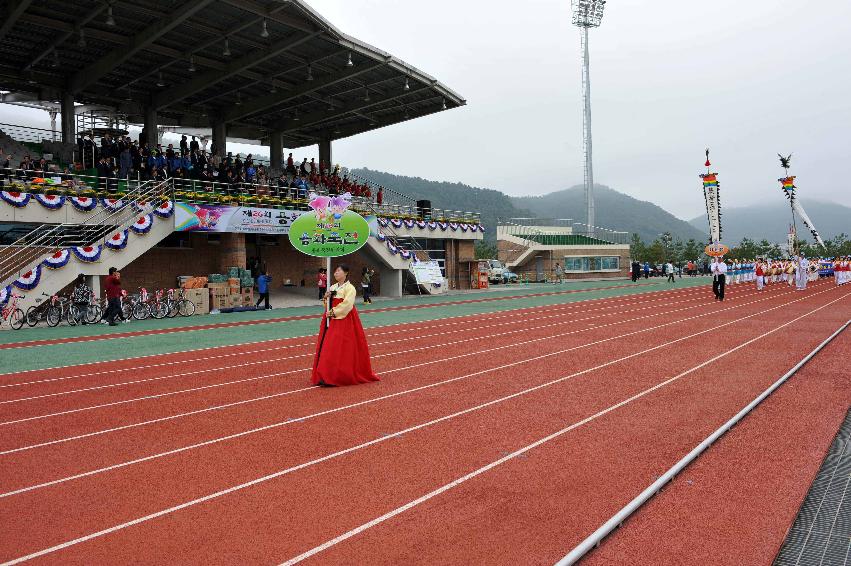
(615, 210)
(771, 221)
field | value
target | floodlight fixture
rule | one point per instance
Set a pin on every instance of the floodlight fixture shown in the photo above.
(264, 31)
(160, 80)
(587, 13)
(366, 95)
(349, 63)
(309, 73)
(81, 41)
(192, 64)
(407, 85)
(226, 51)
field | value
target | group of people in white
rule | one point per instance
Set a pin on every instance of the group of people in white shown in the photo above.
(797, 271)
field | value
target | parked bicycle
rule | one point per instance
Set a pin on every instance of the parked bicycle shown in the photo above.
(12, 313)
(179, 304)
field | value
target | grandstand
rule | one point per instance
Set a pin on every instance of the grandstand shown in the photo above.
(257, 71)
(531, 247)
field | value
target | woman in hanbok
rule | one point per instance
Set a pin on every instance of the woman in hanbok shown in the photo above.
(342, 354)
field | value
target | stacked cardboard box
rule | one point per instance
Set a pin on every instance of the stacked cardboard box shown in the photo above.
(201, 299)
(218, 295)
(247, 297)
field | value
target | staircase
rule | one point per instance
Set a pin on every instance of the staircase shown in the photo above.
(29, 252)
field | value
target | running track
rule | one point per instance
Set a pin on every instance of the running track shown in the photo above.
(507, 440)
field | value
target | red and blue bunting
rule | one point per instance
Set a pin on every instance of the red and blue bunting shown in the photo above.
(143, 224)
(28, 280)
(393, 249)
(165, 210)
(382, 222)
(381, 237)
(87, 254)
(443, 226)
(5, 294)
(118, 241)
(464, 227)
(15, 198)
(404, 254)
(57, 260)
(454, 226)
(421, 224)
(432, 225)
(140, 205)
(51, 202)
(409, 223)
(84, 204)
(396, 222)
(113, 204)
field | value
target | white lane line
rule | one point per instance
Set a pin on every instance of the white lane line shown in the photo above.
(373, 400)
(278, 374)
(205, 371)
(446, 487)
(562, 307)
(385, 438)
(289, 392)
(131, 358)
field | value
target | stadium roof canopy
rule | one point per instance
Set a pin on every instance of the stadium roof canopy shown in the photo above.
(258, 65)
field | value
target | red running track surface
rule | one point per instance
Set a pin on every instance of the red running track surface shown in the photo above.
(625, 394)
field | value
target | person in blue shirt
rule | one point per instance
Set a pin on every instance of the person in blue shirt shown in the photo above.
(263, 289)
(646, 270)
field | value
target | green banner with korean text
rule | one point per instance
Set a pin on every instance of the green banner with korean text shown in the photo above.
(329, 230)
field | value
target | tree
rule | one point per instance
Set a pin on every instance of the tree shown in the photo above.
(485, 250)
(678, 252)
(656, 251)
(692, 250)
(637, 248)
(747, 249)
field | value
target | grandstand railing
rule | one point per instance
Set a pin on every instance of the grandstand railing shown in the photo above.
(211, 192)
(46, 238)
(28, 134)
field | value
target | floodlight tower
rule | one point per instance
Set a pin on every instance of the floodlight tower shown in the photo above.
(587, 14)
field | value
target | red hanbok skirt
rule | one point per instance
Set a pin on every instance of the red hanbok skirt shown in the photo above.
(342, 354)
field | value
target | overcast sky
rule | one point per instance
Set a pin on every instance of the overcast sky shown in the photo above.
(748, 79)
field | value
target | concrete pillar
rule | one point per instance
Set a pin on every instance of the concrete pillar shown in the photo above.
(220, 138)
(69, 118)
(151, 127)
(93, 281)
(232, 251)
(276, 152)
(391, 282)
(325, 153)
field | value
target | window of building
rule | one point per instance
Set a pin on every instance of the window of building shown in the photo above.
(582, 264)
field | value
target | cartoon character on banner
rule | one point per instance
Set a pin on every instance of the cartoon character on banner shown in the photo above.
(339, 205)
(208, 218)
(319, 204)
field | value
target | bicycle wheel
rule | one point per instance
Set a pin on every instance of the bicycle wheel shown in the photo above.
(141, 311)
(173, 308)
(126, 311)
(16, 319)
(72, 315)
(186, 307)
(32, 316)
(54, 315)
(93, 313)
(159, 309)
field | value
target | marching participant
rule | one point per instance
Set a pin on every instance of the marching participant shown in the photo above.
(760, 279)
(719, 278)
(801, 272)
(837, 270)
